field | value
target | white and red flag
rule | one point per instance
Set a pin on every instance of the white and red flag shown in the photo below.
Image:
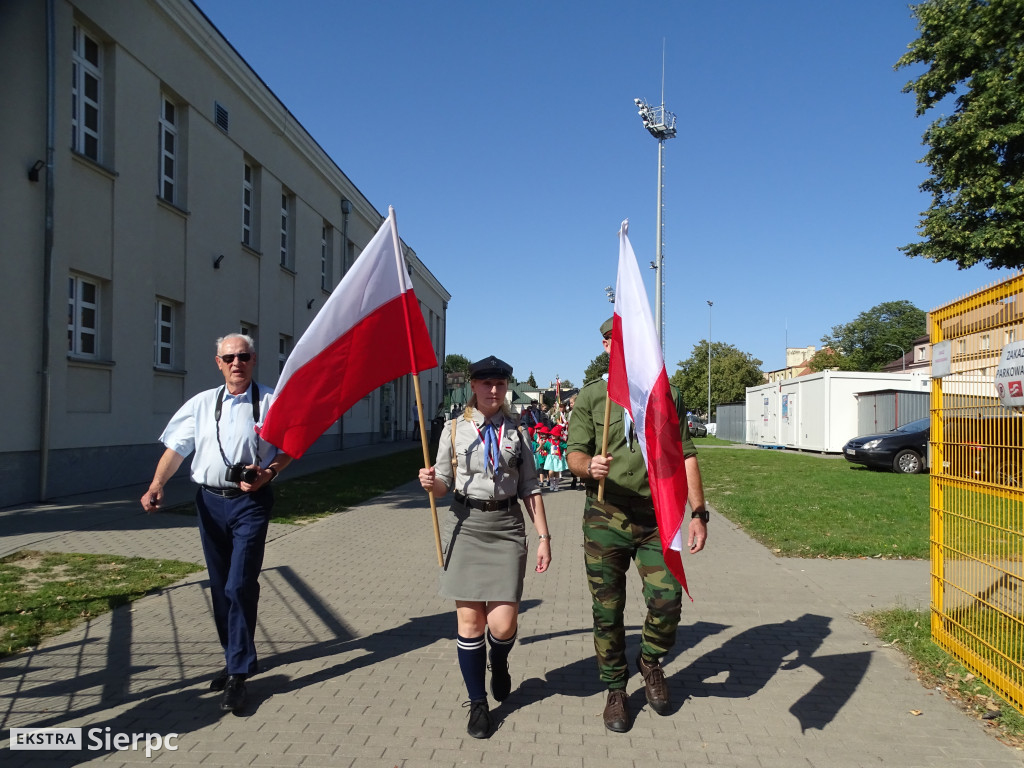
(638, 382)
(368, 332)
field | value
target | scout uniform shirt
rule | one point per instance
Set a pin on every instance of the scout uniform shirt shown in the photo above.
(516, 474)
(627, 474)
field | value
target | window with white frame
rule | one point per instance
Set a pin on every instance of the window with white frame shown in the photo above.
(168, 150)
(326, 255)
(163, 338)
(248, 204)
(1010, 336)
(86, 84)
(286, 239)
(961, 347)
(83, 316)
(284, 348)
(986, 341)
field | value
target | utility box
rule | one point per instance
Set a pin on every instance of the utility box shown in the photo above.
(817, 412)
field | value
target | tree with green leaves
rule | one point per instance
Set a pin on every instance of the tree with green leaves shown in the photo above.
(974, 54)
(532, 382)
(456, 364)
(598, 367)
(875, 337)
(732, 371)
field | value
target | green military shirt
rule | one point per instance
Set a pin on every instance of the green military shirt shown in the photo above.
(627, 475)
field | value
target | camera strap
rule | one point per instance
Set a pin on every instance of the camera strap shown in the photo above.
(255, 420)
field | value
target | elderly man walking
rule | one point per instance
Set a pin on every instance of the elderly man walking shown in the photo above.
(233, 468)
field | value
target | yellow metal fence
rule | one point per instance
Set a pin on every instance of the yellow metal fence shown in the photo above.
(977, 494)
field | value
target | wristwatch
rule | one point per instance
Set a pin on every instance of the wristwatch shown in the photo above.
(702, 513)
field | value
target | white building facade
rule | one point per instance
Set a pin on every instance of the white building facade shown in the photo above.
(158, 195)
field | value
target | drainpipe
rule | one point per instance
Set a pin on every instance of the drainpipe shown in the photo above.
(44, 389)
(346, 209)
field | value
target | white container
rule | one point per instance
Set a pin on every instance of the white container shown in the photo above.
(816, 412)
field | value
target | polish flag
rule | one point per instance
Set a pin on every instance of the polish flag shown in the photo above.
(368, 332)
(638, 382)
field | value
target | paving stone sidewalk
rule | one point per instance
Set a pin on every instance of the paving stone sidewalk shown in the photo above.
(359, 664)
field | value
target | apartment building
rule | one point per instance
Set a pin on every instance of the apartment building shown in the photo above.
(157, 195)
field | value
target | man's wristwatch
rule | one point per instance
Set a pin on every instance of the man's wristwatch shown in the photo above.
(702, 513)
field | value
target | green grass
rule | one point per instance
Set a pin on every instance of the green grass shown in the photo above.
(710, 440)
(310, 497)
(910, 632)
(812, 506)
(304, 499)
(45, 593)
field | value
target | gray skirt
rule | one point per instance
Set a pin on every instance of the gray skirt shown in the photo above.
(484, 554)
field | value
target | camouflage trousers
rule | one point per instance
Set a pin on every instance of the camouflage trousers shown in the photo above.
(614, 532)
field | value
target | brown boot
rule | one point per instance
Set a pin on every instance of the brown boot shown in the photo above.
(616, 711)
(654, 684)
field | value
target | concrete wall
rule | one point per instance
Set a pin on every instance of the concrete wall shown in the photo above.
(110, 225)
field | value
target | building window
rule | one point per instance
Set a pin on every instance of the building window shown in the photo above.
(284, 347)
(83, 316)
(922, 353)
(248, 182)
(326, 255)
(961, 347)
(168, 149)
(1011, 336)
(248, 329)
(86, 81)
(986, 342)
(287, 204)
(163, 353)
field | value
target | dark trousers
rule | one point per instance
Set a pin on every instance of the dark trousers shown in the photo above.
(234, 536)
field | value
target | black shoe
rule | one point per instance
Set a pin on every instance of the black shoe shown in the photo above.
(616, 711)
(234, 694)
(501, 681)
(219, 681)
(654, 684)
(479, 719)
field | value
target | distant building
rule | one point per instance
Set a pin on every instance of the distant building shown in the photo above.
(917, 358)
(187, 202)
(797, 359)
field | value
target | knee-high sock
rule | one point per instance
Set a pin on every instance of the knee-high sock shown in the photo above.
(473, 663)
(500, 649)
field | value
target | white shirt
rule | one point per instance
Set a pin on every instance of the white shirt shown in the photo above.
(193, 428)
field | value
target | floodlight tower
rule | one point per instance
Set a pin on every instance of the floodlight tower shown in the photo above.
(661, 124)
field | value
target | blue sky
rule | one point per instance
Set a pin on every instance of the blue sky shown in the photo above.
(506, 138)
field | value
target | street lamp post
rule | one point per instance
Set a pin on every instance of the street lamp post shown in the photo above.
(903, 355)
(710, 304)
(662, 125)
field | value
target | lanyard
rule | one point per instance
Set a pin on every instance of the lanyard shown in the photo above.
(255, 420)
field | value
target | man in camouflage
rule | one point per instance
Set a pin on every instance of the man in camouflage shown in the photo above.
(623, 528)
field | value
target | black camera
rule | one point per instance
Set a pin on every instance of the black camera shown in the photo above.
(240, 473)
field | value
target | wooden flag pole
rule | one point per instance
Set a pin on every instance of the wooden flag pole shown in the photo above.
(426, 465)
(604, 443)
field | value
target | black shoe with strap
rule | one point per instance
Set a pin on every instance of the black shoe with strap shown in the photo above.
(501, 681)
(479, 719)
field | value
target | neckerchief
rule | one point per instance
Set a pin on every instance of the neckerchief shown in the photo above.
(490, 439)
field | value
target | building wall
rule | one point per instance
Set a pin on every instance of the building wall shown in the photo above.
(112, 228)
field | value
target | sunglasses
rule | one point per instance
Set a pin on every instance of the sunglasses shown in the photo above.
(243, 357)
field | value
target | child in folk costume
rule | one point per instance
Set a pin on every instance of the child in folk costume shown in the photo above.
(540, 451)
(555, 463)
